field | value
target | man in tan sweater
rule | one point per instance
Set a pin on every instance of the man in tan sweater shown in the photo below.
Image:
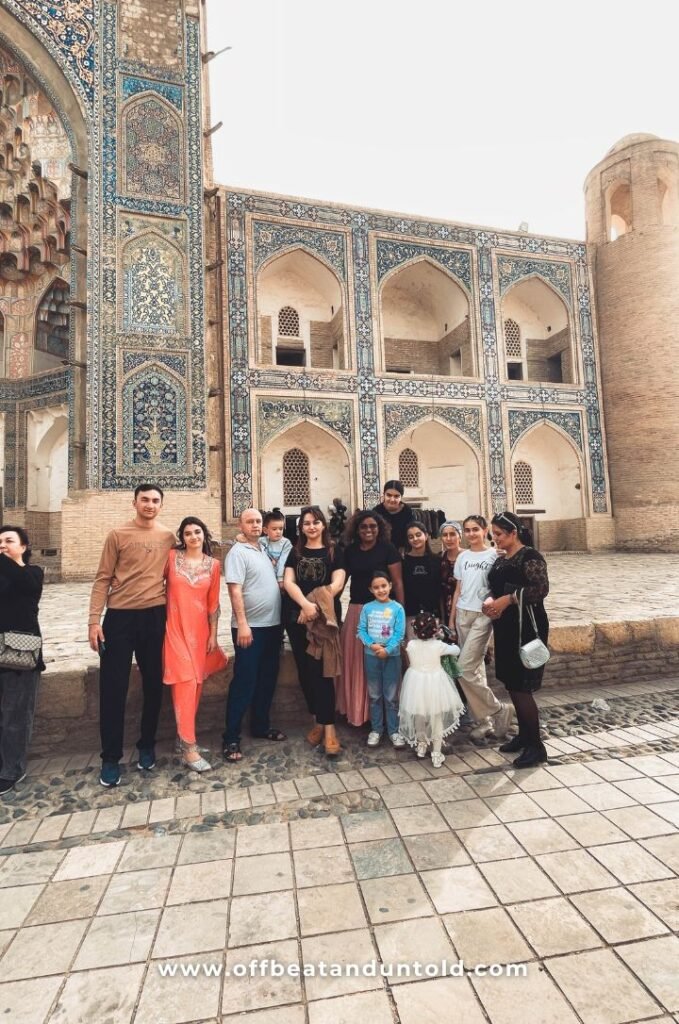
(131, 584)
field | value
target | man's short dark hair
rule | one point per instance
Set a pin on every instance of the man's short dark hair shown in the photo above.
(148, 487)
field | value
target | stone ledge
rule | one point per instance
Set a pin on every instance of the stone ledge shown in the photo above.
(586, 655)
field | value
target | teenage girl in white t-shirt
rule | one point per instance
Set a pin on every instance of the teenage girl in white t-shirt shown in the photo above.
(473, 633)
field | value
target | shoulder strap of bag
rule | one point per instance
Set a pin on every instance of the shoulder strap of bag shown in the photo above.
(531, 616)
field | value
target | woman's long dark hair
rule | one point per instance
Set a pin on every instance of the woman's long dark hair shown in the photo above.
(351, 532)
(23, 537)
(508, 523)
(194, 521)
(326, 539)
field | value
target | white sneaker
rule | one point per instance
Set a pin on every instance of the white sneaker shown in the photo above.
(421, 750)
(373, 739)
(397, 740)
(501, 720)
(480, 731)
(437, 759)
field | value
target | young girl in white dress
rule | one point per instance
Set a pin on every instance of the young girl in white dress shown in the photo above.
(430, 706)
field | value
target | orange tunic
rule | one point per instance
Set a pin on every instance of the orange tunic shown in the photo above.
(192, 595)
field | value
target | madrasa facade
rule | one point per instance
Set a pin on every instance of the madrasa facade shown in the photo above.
(241, 348)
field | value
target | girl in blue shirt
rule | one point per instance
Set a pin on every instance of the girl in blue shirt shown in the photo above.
(381, 629)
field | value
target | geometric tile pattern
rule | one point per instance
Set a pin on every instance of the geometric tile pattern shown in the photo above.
(511, 270)
(152, 150)
(273, 417)
(521, 419)
(466, 419)
(394, 254)
(272, 238)
(68, 29)
(489, 263)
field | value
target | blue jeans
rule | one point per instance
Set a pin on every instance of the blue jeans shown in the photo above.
(255, 673)
(383, 676)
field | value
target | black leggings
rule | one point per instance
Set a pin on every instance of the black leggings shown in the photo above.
(318, 690)
(528, 717)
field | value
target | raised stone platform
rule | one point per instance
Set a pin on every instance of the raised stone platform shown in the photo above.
(614, 619)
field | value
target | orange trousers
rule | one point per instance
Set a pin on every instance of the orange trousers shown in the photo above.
(185, 700)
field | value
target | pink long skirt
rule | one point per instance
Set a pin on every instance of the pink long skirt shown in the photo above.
(352, 692)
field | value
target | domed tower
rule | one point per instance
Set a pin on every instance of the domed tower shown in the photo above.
(632, 205)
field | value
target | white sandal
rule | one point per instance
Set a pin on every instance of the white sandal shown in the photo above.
(421, 750)
(437, 758)
(200, 764)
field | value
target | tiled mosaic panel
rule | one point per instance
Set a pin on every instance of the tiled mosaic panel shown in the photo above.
(501, 259)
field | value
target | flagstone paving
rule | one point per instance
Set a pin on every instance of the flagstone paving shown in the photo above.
(571, 869)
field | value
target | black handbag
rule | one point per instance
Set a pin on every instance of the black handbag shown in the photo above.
(19, 652)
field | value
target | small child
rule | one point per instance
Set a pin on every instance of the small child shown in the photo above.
(430, 704)
(274, 544)
(381, 629)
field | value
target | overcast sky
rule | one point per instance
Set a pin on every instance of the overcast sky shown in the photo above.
(483, 112)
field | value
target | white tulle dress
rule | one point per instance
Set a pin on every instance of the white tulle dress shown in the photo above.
(430, 706)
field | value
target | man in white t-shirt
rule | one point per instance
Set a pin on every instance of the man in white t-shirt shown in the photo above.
(474, 630)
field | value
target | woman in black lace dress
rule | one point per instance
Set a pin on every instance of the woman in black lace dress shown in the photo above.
(521, 568)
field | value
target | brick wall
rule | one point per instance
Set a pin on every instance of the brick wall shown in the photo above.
(576, 534)
(538, 358)
(265, 351)
(321, 343)
(151, 31)
(457, 340)
(87, 516)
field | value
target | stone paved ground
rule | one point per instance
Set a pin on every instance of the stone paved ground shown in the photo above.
(584, 589)
(571, 869)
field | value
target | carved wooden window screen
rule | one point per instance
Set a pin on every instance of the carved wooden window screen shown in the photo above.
(288, 322)
(296, 481)
(512, 339)
(409, 468)
(523, 484)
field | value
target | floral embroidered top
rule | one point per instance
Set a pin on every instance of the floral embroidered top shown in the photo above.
(192, 605)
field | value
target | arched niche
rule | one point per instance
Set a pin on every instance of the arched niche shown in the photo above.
(449, 470)
(46, 459)
(668, 197)
(619, 210)
(425, 322)
(152, 164)
(153, 294)
(154, 418)
(329, 467)
(541, 333)
(556, 470)
(298, 281)
(52, 327)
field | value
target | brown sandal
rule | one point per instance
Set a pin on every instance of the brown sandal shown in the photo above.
(315, 736)
(332, 746)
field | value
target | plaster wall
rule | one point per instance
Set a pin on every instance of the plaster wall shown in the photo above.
(449, 470)
(329, 469)
(557, 482)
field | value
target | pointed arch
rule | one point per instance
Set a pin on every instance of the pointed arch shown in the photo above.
(296, 480)
(557, 469)
(300, 280)
(539, 315)
(409, 468)
(330, 466)
(425, 320)
(451, 475)
(153, 296)
(152, 164)
(154, 410)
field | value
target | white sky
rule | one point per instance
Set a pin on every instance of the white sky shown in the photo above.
(483, 112)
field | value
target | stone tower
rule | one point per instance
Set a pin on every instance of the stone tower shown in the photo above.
(632, 207)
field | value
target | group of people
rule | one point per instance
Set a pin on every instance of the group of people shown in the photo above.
(160, 592)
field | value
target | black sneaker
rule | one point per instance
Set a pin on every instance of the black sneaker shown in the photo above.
(109, 775)
(147, 759)
(7, 785)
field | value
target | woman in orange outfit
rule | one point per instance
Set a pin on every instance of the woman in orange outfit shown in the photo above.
(190, 651)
